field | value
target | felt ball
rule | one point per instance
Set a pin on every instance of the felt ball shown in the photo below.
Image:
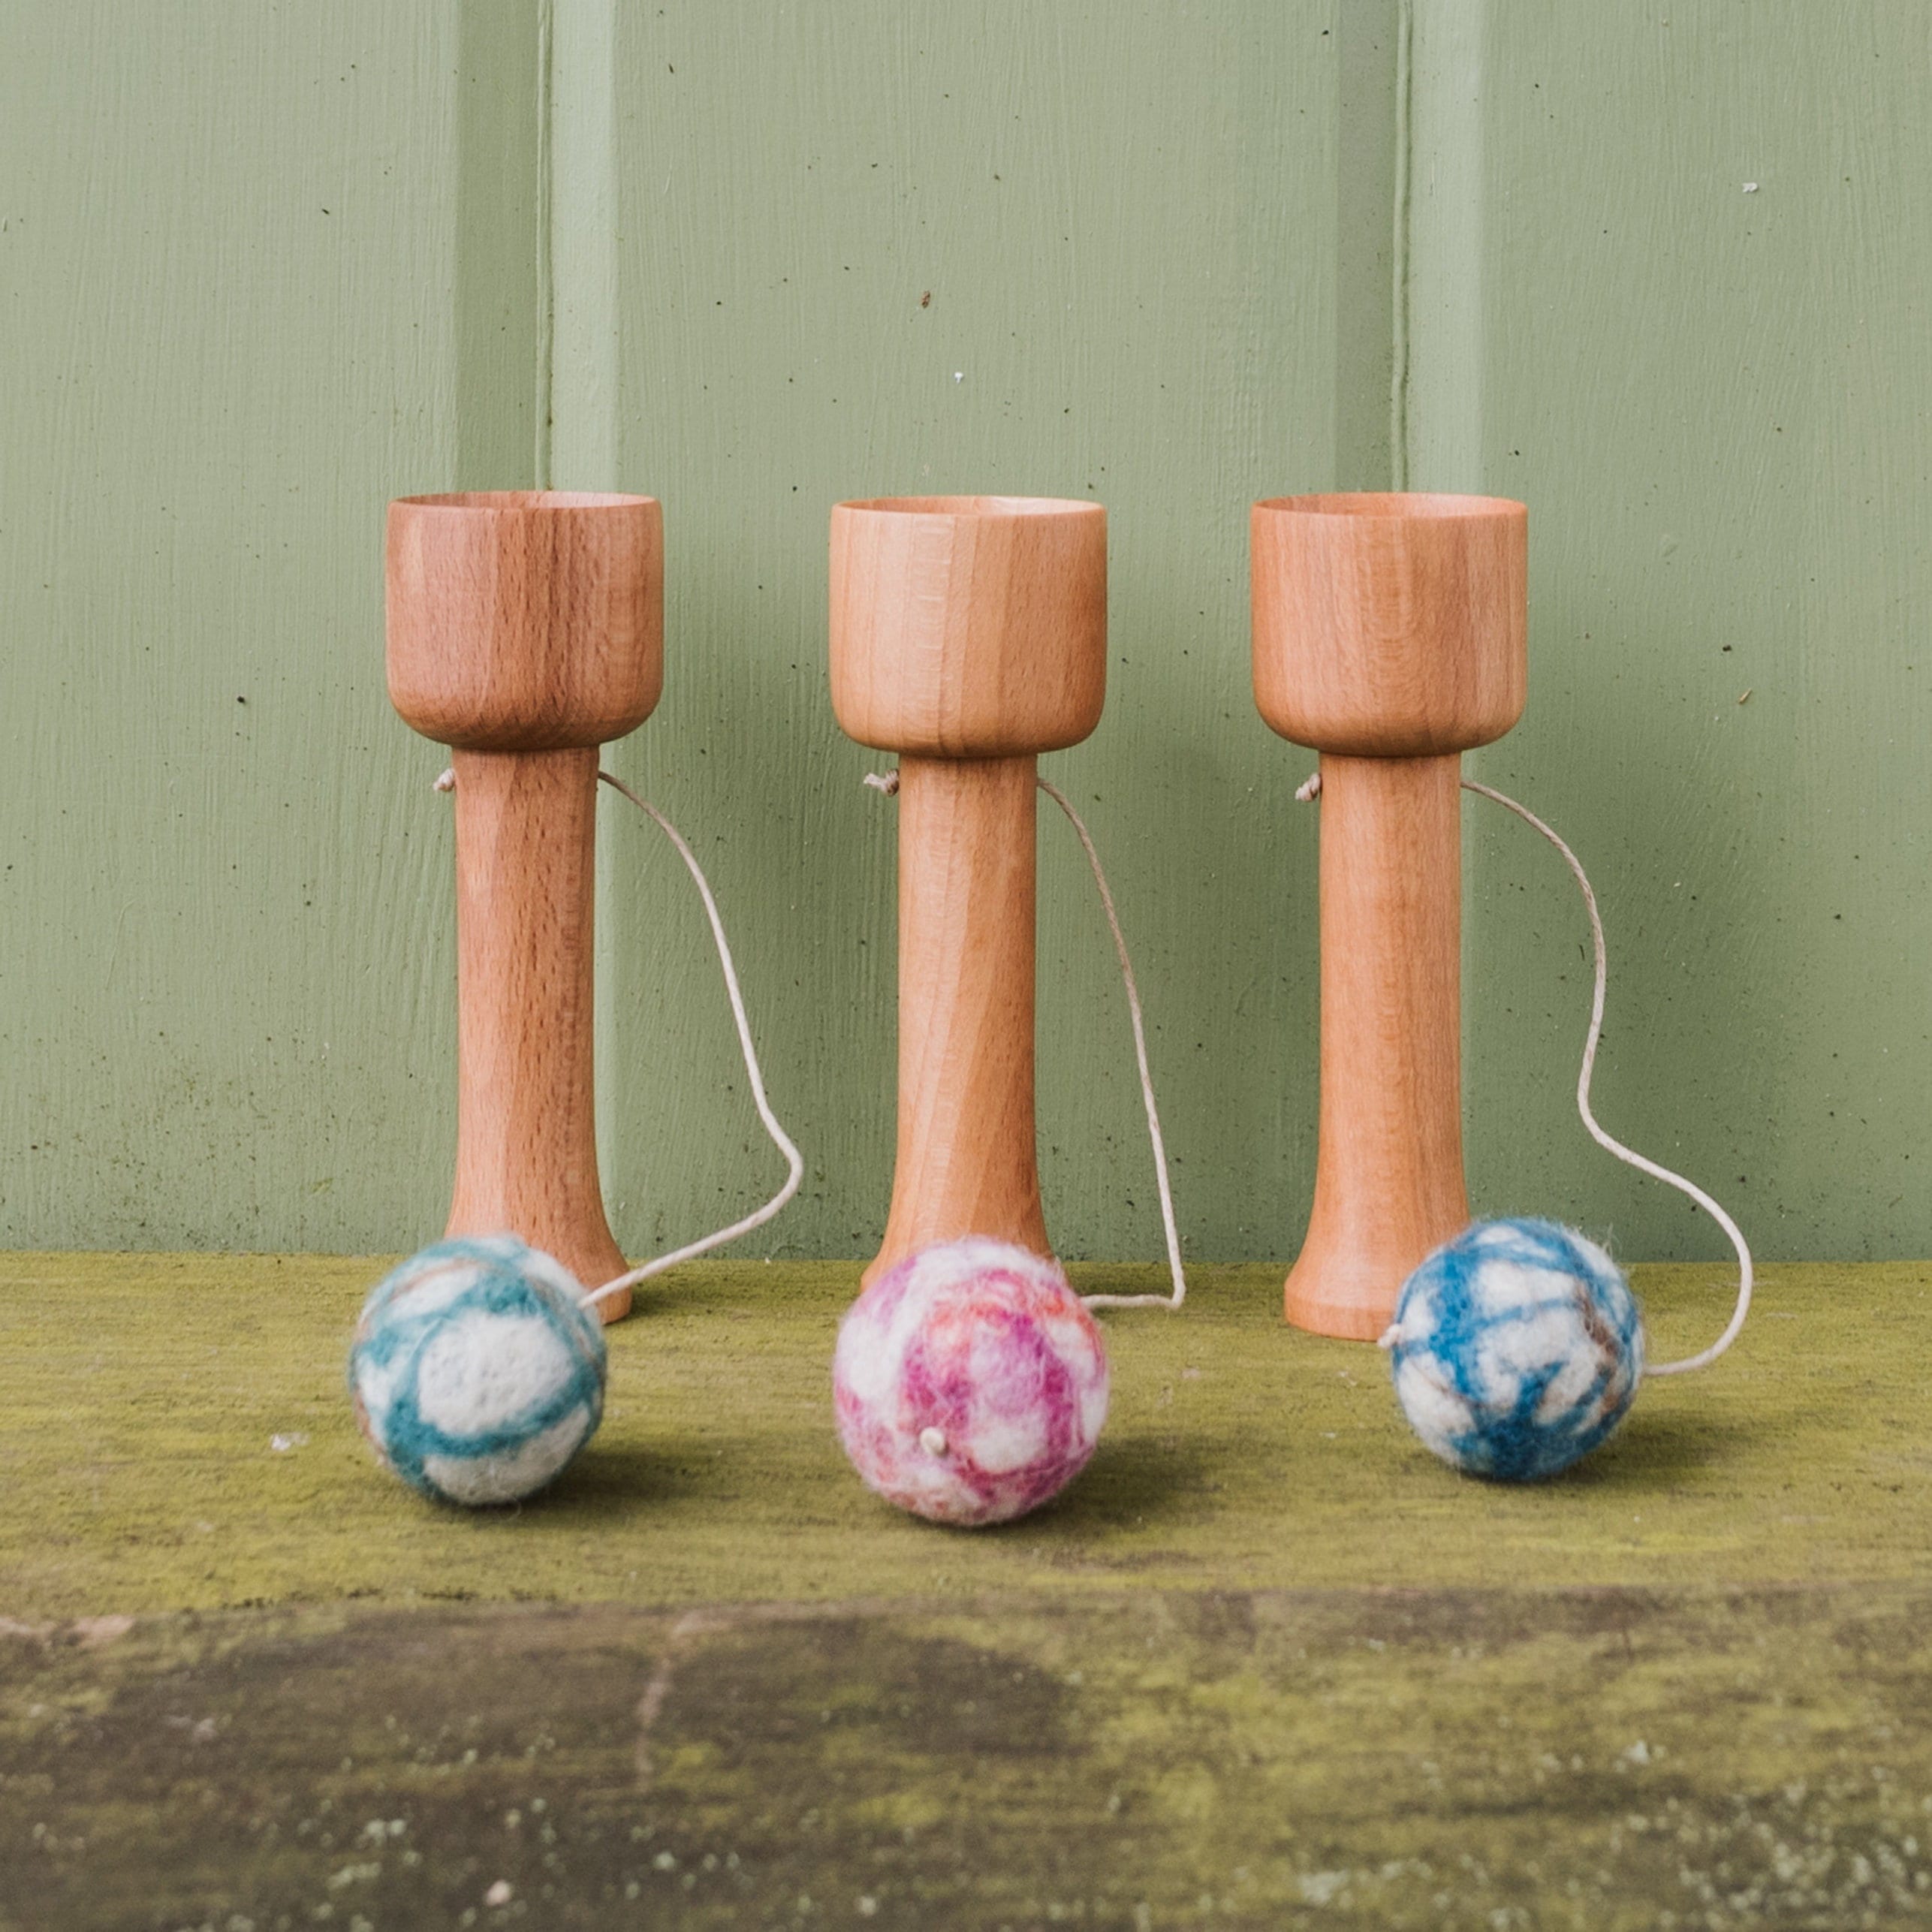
(970, 1383)
(1516, 1349)
(477, 1370)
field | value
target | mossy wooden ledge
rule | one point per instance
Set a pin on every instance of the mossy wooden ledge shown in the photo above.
(1266, 1664)
(143, 1399)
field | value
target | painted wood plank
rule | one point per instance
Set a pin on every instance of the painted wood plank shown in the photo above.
(1080, 250)
(255, 277)
(1672, 285)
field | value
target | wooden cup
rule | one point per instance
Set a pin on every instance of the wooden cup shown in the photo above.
(525, 630)
(1389, 635)
(968, 634)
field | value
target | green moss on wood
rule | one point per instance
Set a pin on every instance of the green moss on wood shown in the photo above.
(1436, 1758)
(139, 1394)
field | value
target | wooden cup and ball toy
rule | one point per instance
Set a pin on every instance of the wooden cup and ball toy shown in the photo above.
(968, 634)
(1390, 635)
(525, 630)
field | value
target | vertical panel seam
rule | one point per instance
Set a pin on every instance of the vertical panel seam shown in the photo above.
(1398, 379)
(545, 373)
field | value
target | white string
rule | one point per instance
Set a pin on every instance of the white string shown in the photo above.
(794, 1159)
(887, 782)
(1313, 789)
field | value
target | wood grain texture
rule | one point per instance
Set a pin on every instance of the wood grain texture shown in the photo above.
(525, 620)
(969, 627)
(965, 1163)
(1388, 1175)
(526, 628)
(1430, 1759)
(526, 1123)
(969, 633)
(1389, 625)
(1388, 633)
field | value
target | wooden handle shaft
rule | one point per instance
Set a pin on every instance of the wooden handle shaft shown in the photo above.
(1388, 1179)
(966, 1162)
(526, 1145)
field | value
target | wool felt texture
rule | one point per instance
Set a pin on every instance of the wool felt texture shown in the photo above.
(970, 1383)
(477, 1370)
(1516, 1349)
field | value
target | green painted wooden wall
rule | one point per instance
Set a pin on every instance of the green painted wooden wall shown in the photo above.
(262, 267)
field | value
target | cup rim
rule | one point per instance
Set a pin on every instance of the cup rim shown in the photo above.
(1394, 506)
(527, 503)
(990, 507)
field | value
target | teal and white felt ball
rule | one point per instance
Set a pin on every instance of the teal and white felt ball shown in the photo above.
(477, 1370)
(1516, 1349)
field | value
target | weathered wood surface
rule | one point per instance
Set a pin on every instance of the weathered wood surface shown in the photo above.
(1435, 1759)
(140, 1397)
(1266, 1663)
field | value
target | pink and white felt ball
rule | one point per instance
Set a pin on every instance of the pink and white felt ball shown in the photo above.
(970, 1383)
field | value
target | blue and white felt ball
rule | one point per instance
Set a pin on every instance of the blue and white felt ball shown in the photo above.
(477, 1370)
(1516, 1349)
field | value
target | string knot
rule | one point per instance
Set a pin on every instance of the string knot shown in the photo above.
(887, 782)
(446, 780)
(1309, 790)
